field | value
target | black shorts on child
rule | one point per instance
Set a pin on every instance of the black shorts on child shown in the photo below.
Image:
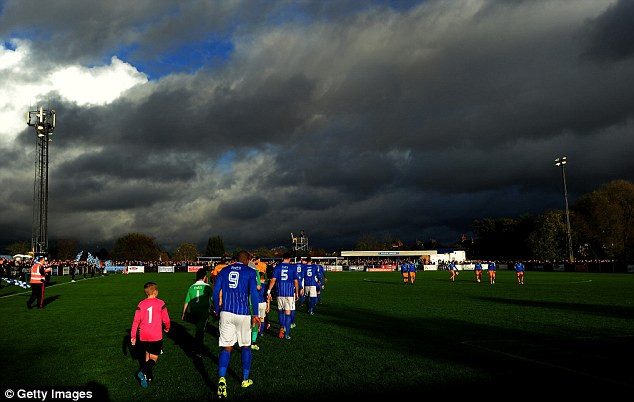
(152, 347)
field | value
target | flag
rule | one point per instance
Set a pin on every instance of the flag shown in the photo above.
(16, 283)
(78, 257)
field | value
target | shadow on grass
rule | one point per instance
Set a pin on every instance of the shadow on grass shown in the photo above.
(49, 300)
(99, 391)
(448, 344)
(135, 352)
(11, 292)
(183, 339)
(595, 309)
(395, 282)
(212, 326)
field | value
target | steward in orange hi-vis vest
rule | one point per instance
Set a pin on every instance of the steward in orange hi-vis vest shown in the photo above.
(38, 272)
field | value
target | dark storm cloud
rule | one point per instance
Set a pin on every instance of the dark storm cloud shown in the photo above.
(90, 31)
(176, 117)
(244, 209)
(94, 195)
(117, 162)
(610, 36)
(340, 119)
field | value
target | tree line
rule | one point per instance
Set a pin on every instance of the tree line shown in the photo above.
(602, 226)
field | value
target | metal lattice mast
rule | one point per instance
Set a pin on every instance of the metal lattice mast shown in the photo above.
(44, 123)
(300, 243)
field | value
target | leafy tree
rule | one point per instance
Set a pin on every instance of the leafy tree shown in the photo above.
(135, 246)
(604, 220)
(234, 253)
(102, 254)
(548, 240)
(186, 252)
(320, 252)
(19, 247)
(279, 251)
(502, 238)
(64, 249)
(368, 242)
(215, 247)
(263, 252)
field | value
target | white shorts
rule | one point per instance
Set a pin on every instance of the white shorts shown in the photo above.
(310, 291)
(234, 328)
(286, 303)
(262, 310)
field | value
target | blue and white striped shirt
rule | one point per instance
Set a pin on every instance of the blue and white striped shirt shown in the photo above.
(285, 275)
(301, 267)
(238, 283)
(310, 275)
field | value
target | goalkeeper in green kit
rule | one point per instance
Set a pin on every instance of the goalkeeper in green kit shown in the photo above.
(198, 300)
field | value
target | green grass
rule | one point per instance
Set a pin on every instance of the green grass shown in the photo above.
(570, 333)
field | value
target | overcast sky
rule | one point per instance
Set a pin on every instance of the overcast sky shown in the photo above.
(253, 119)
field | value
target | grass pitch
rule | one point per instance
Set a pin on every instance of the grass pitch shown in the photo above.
(564, 334)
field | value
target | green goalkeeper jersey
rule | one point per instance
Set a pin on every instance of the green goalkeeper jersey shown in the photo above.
(199, 297)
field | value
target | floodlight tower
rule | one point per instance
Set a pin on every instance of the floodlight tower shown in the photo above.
(44, 123)
(561, 162)
(300, 243)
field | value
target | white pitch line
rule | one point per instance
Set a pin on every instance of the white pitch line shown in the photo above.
(52, 286)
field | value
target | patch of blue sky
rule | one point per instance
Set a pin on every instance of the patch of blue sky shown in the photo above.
(185, 58)
(9, 45)
(225, 162)
(31, 34)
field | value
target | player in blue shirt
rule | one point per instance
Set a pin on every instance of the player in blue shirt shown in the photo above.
(300, 263)
(311, 279)
(285, 277)
(492, 270)
(238, 285)
(519, 270)
(405, 272)
(321, 285)
(478, 272)
(412, 272)
(454, 271)
(301, 267)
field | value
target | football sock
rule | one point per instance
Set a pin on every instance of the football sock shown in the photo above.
(281, 317)
(246, 362)
(292, 316)
(313, 300)
(288, 324)
(319, 298)
(223, 362)
(147, 368)
(254, 333)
